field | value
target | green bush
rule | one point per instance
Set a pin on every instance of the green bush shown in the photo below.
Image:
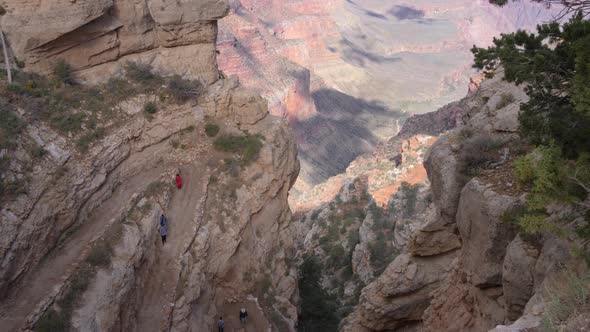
(247, 146)
(100, 255)
(52, 321)
(336, 257)
(317, 308)
(524, 168)
(353, 240)
(553, 66)
(150, 108)
(68, 122)
(79, 282)
(182, 89)
(16, 88)
(568, 295)
(119, 88)
(63, 72)
(10, 127)
(155, 188)
(87, 139)
(478, 151)
(551, 179)
(19, 63)
(38, 152)
(211, 129)
(141, 72)
(505, 100)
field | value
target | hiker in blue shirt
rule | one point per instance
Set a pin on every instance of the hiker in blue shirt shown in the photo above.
(163, 228)
(220, 324)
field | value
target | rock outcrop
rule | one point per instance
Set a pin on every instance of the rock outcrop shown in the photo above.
(398, 298)
(486, 274)
(97, 38)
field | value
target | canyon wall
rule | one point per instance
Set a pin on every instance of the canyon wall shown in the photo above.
(466, 267)
(80, 245)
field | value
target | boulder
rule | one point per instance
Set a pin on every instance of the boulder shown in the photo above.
(485, 237)
(435, 236)
(442, 167)
(433, 243)
(398, 298)
(518, 276)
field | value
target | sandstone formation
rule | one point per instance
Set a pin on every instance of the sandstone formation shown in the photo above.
(397, 299)
(98, 37)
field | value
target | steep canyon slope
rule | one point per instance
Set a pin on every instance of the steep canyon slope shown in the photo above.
(346, 73)
(88, 169)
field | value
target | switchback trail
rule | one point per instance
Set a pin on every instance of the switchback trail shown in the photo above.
(186, 209)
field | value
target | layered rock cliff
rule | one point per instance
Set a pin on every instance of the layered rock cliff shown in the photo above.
(98, 37)
(80, 245)
(467, 268)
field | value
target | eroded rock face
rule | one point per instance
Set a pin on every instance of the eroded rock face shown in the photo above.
(400, 295)
(497, 277)
(56, 201)
(518, 280)
(98, 37)
(243, 240)
(445, 180)
(485, 236)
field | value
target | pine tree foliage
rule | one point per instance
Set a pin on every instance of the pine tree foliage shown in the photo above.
(554, 67)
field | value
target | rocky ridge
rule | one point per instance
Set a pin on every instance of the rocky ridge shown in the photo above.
(466, 268)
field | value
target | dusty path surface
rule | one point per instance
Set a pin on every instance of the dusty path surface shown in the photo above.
(185, 209)
(41, 284)
(254, 323)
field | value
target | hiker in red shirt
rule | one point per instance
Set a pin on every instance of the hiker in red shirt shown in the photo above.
(178, 181)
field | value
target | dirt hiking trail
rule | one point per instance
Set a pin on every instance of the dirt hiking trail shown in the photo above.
(184, 211)
(231, 316)
(43, 283)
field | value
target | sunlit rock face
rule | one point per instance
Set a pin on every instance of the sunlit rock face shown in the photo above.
(345, 72)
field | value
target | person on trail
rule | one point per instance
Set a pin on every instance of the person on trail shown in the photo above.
(220, 324)
(163, 220)
(178, 181)
(163, 227)
(243, 315)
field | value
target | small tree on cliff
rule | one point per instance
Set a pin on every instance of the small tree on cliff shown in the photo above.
(554, 67)
(317, 307)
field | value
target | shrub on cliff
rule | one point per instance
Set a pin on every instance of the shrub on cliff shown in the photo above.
(248, 146)
(141, 73)
(479, 151)
(211, 129)
(182, 89)
(10, 126)
(63, 72)
(552, 179)
(554, 67)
